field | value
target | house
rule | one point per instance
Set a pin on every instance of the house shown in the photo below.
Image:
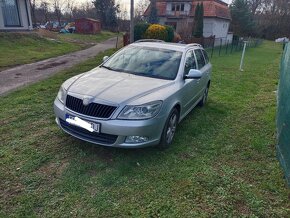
(15, 15)
(180, 15)
(88, 26)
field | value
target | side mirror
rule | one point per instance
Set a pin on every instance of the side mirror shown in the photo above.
(193, 74)
(105, 58)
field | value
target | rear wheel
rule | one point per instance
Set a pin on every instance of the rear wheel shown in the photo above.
(204, 97)
(169, 129)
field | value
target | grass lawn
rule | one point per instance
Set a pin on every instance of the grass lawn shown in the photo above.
(17, 48)
(221, 164)
(88, 38)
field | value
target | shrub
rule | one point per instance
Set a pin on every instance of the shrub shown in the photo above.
(177, 37)
(140, 30)
(156, 31)
(170, 33)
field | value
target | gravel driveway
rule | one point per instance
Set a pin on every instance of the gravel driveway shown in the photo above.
(14, 78)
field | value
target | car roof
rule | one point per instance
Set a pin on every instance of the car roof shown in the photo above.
(167, 45)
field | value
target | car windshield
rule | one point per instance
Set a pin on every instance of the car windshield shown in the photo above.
(145, 61)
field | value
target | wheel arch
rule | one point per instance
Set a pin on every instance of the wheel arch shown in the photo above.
(208, 83)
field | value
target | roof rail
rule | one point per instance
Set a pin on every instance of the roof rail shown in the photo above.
(149, 40)
(194, 44)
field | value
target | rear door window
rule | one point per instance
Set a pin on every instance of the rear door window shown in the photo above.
(205, 56)
(200, 59)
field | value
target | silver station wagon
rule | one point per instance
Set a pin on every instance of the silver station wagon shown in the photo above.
(136, 97)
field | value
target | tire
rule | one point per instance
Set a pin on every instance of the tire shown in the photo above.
(204, 98)
(169, 129)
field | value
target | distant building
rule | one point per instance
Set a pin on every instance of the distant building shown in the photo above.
(180, 15)
(88, 26)
(15, 15)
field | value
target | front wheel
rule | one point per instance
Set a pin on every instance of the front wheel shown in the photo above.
(204, 97)
(169, 129)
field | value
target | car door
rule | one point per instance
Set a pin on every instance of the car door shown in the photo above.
(204, 68)
(208, 66)
(190, 86)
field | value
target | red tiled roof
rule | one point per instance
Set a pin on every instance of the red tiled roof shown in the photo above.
(212, 8)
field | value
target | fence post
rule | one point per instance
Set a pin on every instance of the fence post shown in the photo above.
(243, 56)
(221, 43)
(117, 41)
(212, 48)
(227, 46)
(232, 46)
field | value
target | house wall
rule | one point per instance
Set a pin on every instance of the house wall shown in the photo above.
(182, 25)
(216, 27)
(25, 21)
(162, 20)
(212, 26)
(169, 12)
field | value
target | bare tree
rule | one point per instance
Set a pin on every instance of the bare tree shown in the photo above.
(255, 5)
(70, 5)
(57, 8)
(140, 10)
(132, 22)
(33, 8)
(273, 19)
(44, 11)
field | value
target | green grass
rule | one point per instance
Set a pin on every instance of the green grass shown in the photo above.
(104, 35)
(221, 164)
(17, 48)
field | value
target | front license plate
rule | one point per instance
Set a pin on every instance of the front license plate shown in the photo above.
(89, 126)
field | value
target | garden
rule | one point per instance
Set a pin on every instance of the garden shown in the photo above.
(222, 163)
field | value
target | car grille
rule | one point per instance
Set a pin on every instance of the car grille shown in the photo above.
(93, 109)
(101, 138)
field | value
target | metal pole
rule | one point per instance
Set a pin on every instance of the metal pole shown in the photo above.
(117, 41)
(221, 43)
(243, 56)
(232, 45)
(132, 22)
(227, 46)
(212, 49)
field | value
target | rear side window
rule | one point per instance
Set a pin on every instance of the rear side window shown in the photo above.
(205, 56)
(200, 59)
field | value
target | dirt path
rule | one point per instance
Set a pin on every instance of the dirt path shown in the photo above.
(14, 78)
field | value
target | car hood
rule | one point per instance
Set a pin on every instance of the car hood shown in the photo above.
(116, 87)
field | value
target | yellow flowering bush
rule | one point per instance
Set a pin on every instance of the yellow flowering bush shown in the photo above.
(156, 31)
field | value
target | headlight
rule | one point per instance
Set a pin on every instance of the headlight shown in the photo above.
(141, 112)
(61, 95)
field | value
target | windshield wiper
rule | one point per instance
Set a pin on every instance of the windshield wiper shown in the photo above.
(151, 76)
(109, 68)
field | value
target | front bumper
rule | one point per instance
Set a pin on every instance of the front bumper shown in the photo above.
(116, 130)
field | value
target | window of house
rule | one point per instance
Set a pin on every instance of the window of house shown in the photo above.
(182, 7)
(173, 7)
(177, 7)
(10, 13)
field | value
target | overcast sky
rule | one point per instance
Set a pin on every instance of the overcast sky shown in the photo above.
(125, 4)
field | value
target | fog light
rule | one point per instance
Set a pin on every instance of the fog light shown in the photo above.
(136, 139)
